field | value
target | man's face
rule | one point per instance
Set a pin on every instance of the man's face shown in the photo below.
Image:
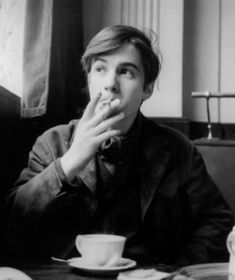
(120, 75)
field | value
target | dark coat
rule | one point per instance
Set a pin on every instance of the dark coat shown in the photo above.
(185, 219)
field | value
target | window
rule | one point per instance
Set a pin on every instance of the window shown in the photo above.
(12, 13)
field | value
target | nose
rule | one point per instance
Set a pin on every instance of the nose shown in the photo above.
(112, 83)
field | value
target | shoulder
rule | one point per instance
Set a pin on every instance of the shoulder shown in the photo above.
(57, 138)
(166, 134)
(161, 137)
(166, 143)
(64, 131)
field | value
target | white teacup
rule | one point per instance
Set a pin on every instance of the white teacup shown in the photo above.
(100, 249)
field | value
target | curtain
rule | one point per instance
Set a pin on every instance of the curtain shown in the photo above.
(52, 76)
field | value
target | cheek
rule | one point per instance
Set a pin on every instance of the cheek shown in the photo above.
(134, 93)
(133, 101)
(95, 86)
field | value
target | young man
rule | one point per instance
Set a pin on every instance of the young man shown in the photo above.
(115, 171)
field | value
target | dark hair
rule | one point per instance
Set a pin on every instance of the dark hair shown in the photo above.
(112, 37)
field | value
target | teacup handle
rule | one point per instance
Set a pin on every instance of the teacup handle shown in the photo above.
(230, 242)
(78, 243)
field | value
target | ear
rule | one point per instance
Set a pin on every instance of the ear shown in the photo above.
(148, 90)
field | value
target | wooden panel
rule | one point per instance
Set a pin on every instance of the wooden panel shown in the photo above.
(180, 124)
(220, 162)
(223, 131)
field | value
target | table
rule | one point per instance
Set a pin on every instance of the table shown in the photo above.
(62, 271)
(56, 271)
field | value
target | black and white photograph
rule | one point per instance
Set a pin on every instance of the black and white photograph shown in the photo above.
(117, 138)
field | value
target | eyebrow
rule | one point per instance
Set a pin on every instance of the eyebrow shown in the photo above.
(127, 64)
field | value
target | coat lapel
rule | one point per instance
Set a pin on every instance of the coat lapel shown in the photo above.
(88, 176)
(154, 163)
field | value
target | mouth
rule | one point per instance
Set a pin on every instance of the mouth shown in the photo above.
(102, 104)
(105, 102)
(111, 105)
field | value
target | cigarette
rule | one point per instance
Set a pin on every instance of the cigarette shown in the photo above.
(106, 102)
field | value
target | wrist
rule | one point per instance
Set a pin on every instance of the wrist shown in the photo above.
(71, 166)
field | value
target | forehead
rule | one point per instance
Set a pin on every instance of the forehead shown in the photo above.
(127, 53)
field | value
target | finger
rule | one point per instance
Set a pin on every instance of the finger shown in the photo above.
(115, 103)
(107, 135)
(110, 109)
(111, 104)
(107, 124)
(100, 116)
(90, 109)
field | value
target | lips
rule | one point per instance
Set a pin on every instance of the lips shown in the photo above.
(105, 102)
(102, 104)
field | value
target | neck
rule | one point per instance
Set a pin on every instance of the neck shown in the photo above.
(125, 125)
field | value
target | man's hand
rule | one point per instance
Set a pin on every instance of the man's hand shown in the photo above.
(93, 129)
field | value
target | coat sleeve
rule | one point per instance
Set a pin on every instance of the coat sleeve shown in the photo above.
(210, 217)
(43, 205)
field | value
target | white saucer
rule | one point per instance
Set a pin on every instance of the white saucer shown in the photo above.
(206, 271)
(123, 264)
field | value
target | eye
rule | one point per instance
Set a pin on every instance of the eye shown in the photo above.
(99, 68)
(126, 72)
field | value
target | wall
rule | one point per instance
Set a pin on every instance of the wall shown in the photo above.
(209, 57)
(205, 48)
(165, 17)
